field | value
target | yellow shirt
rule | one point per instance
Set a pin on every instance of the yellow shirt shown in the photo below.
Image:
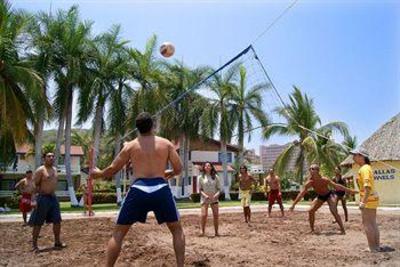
(366, 179)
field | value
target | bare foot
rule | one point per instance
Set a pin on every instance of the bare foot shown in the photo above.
(217, 235)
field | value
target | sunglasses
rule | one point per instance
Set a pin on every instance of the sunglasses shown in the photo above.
(314, 169)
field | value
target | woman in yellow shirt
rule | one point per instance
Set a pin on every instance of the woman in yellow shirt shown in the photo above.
(369, 199)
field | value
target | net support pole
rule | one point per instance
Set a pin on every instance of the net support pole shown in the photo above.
(90, 182)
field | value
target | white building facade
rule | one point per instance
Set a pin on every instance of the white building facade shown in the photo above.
(204, 151)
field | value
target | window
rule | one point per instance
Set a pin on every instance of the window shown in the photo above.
(229, 157)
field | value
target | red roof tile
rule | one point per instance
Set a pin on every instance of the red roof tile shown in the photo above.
(75, 150)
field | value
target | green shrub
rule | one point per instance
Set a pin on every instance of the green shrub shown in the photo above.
(258, 196)
(260, 188)
(234, 196)
(104, 187)
(235, 186)
(11, 202)
(101, 198)
(289, 195)
(195, 197)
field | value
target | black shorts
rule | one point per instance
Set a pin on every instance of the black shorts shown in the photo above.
(340, 193)
(47, 210)
(325, 197)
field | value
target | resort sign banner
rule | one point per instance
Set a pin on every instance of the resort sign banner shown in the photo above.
(384, 174)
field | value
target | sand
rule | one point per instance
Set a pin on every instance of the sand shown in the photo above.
(266, 242)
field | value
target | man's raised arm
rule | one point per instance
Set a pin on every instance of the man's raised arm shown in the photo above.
(301, 195)
(118, 163)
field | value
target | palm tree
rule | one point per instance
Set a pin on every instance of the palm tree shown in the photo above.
(350, 142)
(41, 57)
(118, 111)
(181, 121)
(219, 113)
(247, 106)
(101, 80)
(302, 122)
(329, 153)
(72, 55)
(84, 140)
(146, 73)
(19, 82)
(109, 84)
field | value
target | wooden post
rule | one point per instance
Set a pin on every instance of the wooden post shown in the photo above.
(90, 182)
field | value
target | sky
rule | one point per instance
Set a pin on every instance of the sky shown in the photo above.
(343, 54)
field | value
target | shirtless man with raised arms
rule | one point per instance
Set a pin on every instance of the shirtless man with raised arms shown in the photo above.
(322, 187)
(149, 156)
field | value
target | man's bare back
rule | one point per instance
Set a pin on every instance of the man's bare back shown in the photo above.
(149, 156)
(45, 180)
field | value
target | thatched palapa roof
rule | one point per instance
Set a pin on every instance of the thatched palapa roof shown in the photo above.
(384, 144)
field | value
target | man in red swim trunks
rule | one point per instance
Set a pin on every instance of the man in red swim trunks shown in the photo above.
(274, 194)
(25, 186)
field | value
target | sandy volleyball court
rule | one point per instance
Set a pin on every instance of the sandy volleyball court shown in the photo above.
(268, 242)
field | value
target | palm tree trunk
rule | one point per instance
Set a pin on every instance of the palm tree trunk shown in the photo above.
(186, 160)
(225, 169)
(38, 141)
(180, 180)
(97, 130)
(68, 126)
(240, 139)
(59, 138)
(117, 176)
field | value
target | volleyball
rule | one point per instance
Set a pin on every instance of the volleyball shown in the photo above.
(167, 49)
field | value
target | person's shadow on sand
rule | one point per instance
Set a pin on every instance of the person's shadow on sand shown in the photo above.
(330, 233)
(48, 249)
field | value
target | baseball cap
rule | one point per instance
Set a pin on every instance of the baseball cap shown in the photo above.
(360, 151)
